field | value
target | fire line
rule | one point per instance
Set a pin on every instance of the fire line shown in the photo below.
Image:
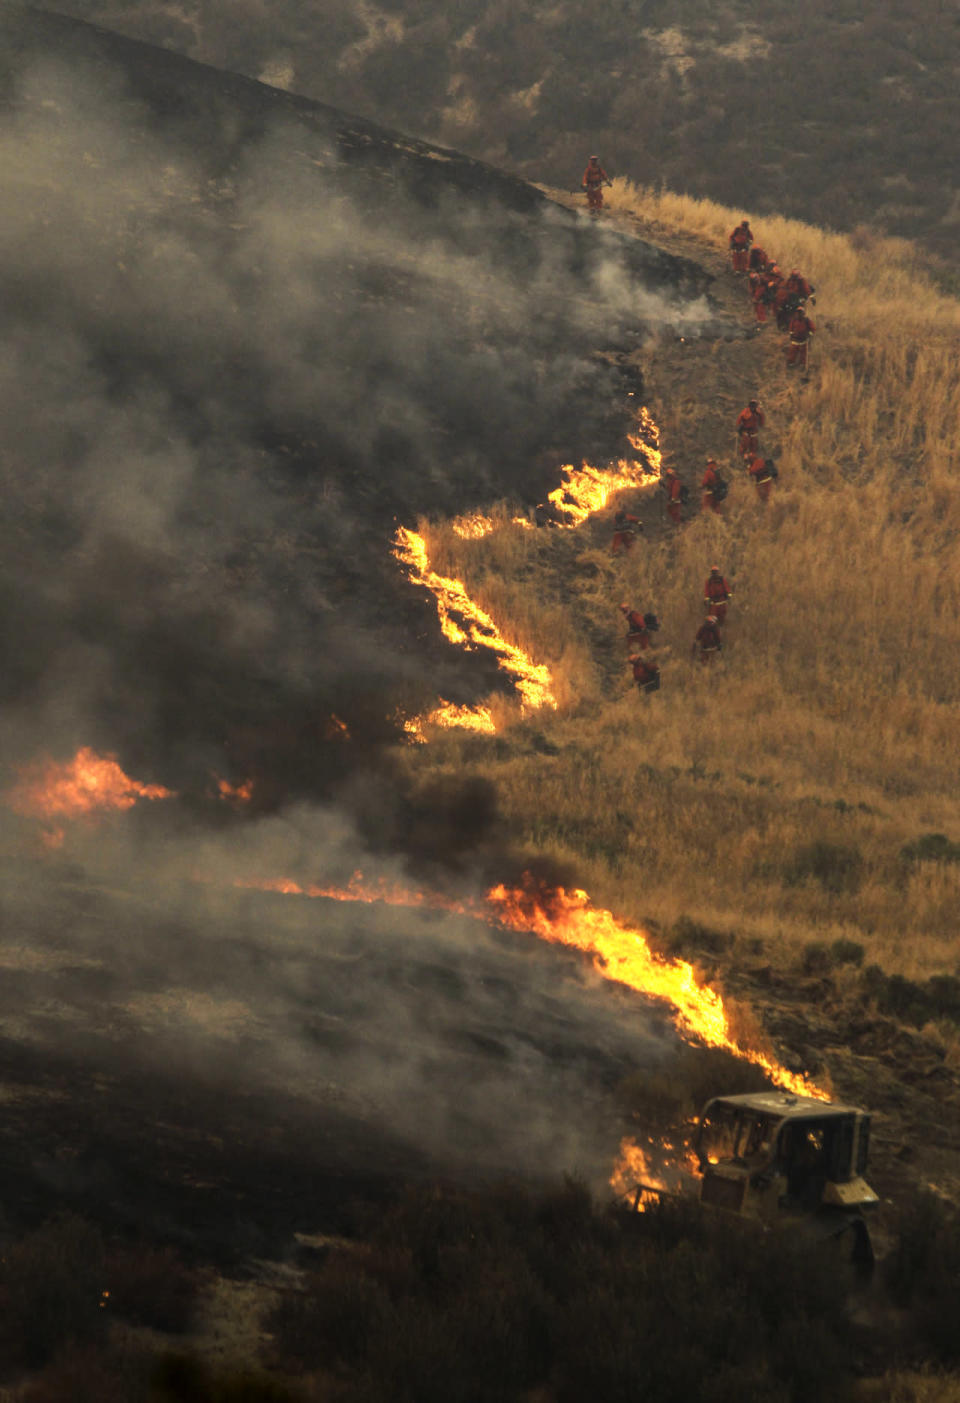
(619, 952)
(464, 622)
(87, 784)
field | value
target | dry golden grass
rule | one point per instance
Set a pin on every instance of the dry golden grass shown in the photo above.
(835, 714)
(910, 1388)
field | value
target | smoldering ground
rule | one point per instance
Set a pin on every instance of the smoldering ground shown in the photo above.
(163, 1026)
(242, 339)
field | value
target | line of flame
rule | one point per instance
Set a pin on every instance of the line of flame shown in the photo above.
(587, 489)
(477, 629)
(86, 784)
(619, 952)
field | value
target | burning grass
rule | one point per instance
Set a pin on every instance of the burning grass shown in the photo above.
(835, 712)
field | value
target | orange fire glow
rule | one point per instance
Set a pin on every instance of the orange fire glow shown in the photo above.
(619, 952)
(587, 489)
(632, 1174)
(473, 527)
(464, 622)
(235, 793)
(469, 718)
(88, 783)
(622, 954)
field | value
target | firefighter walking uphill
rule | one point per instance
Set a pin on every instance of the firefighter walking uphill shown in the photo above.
(764, 473)
(625, 527)
(801, 328)
(646, 672)
(740, 240)
(716, 594)
(594, 179)
(713, 486)
(749, 423)
(707, 645)
(676, 495)
(640, 627)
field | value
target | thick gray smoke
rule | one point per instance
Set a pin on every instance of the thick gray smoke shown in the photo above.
(231, 360)
(232, 356)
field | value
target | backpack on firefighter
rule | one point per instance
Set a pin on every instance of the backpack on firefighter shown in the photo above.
(720, 488)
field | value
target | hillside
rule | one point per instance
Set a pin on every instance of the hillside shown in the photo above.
(311, 428)
(834, 116)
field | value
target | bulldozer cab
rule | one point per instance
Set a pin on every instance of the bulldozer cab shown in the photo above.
(772, 1153)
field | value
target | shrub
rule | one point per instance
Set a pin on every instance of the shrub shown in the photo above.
(847, 952)
(686, 935)
(815, 957)
(51, 1291)
(836, 866)
(151, 1286)
(931, 847)
(923, 1274)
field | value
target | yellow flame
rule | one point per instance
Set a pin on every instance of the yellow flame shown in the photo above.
(619, 952)
(473, 627)
(473, 527)
(623, 954)
(587, 489)
(470, 718)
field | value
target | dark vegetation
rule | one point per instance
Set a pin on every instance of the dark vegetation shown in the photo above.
(460, 1297)
(493, 1296)
(834, 114)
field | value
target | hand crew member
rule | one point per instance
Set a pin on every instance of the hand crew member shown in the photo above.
(801, 329)
(707, 641)
(674, 489)
(716, 594)
(713, 487)
(740, 241)
(646, 673)
(639, 627)
(625, 527)
(763, 472)
(594, 179)
(749, 423)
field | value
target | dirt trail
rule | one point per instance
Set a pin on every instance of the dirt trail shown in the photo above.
(694, 390)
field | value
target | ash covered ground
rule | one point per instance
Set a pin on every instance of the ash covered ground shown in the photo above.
(244, 337)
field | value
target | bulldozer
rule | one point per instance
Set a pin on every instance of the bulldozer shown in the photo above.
(771, 1155)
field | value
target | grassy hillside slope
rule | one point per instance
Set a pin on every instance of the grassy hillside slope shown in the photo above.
(779, 798)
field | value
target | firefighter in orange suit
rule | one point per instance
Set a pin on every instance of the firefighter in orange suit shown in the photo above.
(761, 297)
(763, 472)
(740, 241)
(639, 627)
(707, 642)
(716, 594)
(674, 490)
(594, 179)
(713, 488)
(624, 528)
(801, 329)
(646, 673)
(749, 423)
